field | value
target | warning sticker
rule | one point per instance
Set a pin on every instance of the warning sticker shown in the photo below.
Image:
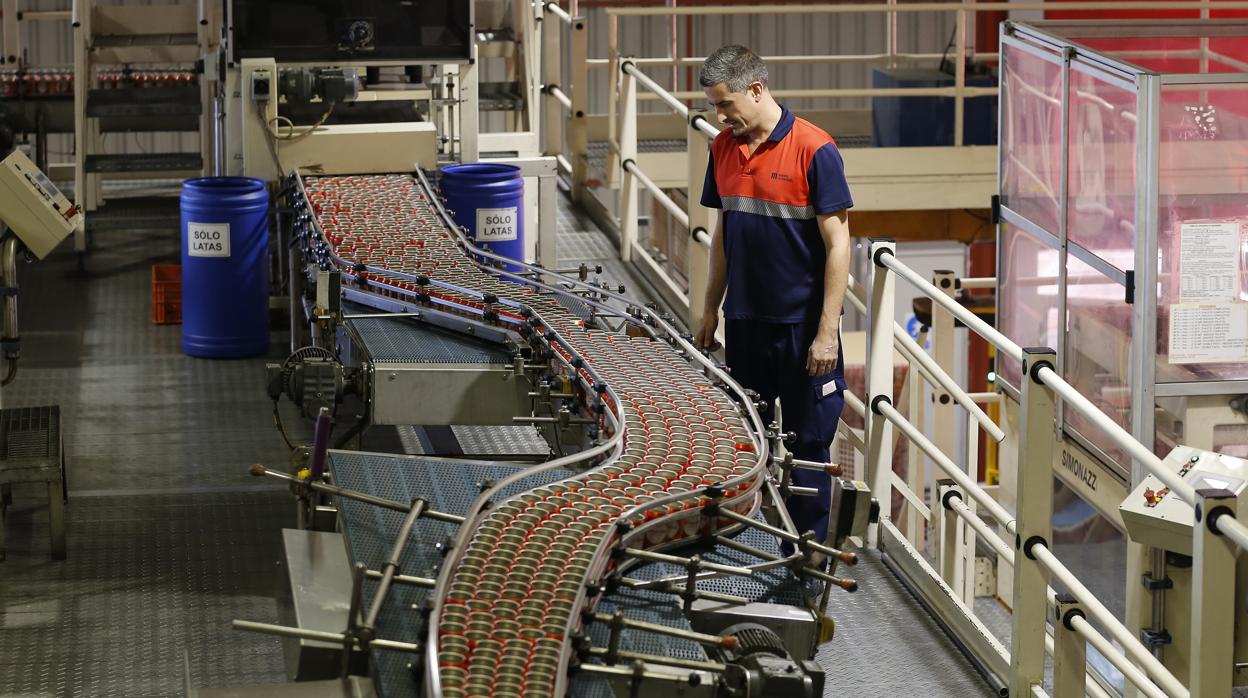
(497, 224)
(208, 239)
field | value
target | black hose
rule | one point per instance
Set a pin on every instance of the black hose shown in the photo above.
(11, 375)
(277, 421)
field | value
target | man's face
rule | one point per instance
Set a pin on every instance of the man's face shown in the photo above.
(739, 111)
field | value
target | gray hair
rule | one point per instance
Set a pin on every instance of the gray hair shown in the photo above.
(735, 66)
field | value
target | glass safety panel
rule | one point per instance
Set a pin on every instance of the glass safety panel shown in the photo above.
(1102, 187)
(1031, 130)
(1202, 233)
(1028, 303)
(1098, 352)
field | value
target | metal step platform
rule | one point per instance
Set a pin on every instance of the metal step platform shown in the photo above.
(31, 450)
(136, 213)
(146, 162)
(143, 40)
(404, 340)
(144, 101)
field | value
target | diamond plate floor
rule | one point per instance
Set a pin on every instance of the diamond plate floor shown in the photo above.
(887, 645)
(168, 537)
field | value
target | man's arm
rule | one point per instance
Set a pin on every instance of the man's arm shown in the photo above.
(716, 285)
(834, 229)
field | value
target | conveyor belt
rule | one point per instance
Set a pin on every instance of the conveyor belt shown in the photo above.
(451, 486)
(677, 433)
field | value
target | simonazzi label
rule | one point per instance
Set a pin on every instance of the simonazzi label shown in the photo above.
(208, 239)
(497, 224)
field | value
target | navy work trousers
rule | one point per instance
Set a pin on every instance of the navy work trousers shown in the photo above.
(770, 358)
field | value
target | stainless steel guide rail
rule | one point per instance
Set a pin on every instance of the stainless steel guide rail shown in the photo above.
(679, 453)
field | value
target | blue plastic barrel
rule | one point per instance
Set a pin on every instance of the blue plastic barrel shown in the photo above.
(225, 273)
(488, 200)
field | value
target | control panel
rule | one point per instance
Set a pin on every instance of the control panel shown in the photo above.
(32, 206)
(1156, 517)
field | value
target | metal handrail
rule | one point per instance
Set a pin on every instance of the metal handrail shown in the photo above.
(997, 543)
(659, 91)
(1120, 436)
(559, 12)
(1235, 530)
(560, 96)
(888, 8)
(971, 320)
(849, 92)
(973, 282)
(972, 488)
(1130, 671)
(659, 195)
(1045, 375)
(694, 62)
(1097, 610)
(945, 381)
(1049, 377)
(1136, 653)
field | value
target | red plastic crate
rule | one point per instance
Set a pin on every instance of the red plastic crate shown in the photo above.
(167, 294)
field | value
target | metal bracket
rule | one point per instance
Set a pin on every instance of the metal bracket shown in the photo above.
(1159, 638)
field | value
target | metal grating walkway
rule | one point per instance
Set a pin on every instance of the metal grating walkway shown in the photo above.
(401, 340)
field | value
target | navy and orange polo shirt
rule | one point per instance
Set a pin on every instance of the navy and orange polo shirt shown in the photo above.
(770, 199)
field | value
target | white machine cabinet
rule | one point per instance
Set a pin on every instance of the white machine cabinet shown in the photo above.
(1157, 518)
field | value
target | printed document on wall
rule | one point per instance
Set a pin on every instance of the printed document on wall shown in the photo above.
(1213, 332)
(1209, 259)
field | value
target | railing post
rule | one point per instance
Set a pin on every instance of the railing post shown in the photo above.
(548, 230)
(613, 99)
(628, 155)
(1034, 504)
(469, 110)
(552, 69)
(1213, 596)
(697, 255)
(948, 553)
(1069, 649)
(880, 380)
(944, 353)
(578, 123)
(959, 78)
(82, 82)
(968, 533)
(10, 37)
(916, 462)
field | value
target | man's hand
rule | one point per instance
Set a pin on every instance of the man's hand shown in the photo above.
(822, 356)
(705, 338)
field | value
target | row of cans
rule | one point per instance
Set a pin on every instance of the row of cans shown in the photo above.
(59, 82)
(513, 595)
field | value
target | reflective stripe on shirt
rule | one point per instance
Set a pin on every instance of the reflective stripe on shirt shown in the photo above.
(761, 207)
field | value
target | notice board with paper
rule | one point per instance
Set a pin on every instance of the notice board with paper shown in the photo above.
(1209, 321)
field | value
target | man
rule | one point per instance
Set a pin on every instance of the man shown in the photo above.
(781, 253)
